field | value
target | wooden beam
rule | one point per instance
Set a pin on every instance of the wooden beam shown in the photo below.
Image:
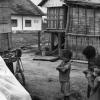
(83, 4)
(86, 20)
(78, 20)
(22, 22)
(67, 27)
(59, 44)
(9, 40)
(94, 21)
(52, 41)
(39, 36)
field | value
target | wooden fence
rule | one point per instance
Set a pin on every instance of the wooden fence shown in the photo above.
(5, 41)
(77, 42)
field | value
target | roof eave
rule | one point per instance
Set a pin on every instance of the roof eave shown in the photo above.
(84, 4)
(41, 13)
(25, 14)
(42, 3)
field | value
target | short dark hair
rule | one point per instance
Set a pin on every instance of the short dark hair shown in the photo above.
(89, 52)
(67, 53)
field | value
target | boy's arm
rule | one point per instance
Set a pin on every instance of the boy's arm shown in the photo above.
(67, 66)
(64, 67)
(60, 66)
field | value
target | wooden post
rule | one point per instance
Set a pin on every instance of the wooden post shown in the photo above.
(94, 21)
(52, 42)
(67, 27)
(9, 40)
(86, 20)
(59, 44)
(39, 35)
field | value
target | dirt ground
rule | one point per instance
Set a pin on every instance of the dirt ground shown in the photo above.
(42, 79)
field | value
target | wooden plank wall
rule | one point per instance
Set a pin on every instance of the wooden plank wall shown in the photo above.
(55, 18)
(5, 17)
(78, 42)
(5, 25)
(84, 29)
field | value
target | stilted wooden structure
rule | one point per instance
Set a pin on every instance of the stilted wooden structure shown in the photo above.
(78, 20)
(83, 26)
(56, 20)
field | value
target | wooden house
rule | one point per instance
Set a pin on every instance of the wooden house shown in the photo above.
(56, 22)
(25, 16)
(17, 15)
(82, 24)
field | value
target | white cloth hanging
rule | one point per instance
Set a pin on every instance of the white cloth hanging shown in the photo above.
(10, 88)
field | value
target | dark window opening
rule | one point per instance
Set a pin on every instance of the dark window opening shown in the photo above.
(14, 22)
(27, 23)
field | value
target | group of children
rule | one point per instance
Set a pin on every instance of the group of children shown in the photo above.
(92, 73)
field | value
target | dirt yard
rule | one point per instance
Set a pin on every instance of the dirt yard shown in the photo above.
(42, 79)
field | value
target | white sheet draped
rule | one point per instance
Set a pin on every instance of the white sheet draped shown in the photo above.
(10, 88)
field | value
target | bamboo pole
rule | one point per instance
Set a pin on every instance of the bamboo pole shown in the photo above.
(67, 27)
(59, 44)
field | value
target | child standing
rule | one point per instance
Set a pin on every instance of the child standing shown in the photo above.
(64, 73)
(90, 53)
(95, 95)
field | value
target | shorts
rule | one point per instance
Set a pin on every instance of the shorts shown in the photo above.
(65, 88)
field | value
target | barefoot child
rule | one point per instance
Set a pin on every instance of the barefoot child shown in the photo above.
(64, 73)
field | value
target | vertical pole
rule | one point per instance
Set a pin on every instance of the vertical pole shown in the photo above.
(9, 40)
(52, 42)
(77, 37)
(39, 47)
(86, 20)
(59, 44)
(94, 21)
(67, 26)
(94, 30)
(22, 23)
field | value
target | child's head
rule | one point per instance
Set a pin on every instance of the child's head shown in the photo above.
(89, 52)
(66, 54)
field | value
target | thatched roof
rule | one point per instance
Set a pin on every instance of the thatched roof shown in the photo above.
(25, 7)
(78, 2)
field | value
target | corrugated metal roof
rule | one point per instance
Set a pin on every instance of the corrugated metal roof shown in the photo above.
(25, 7)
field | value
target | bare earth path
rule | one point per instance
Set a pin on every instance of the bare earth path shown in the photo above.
(42, 79)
